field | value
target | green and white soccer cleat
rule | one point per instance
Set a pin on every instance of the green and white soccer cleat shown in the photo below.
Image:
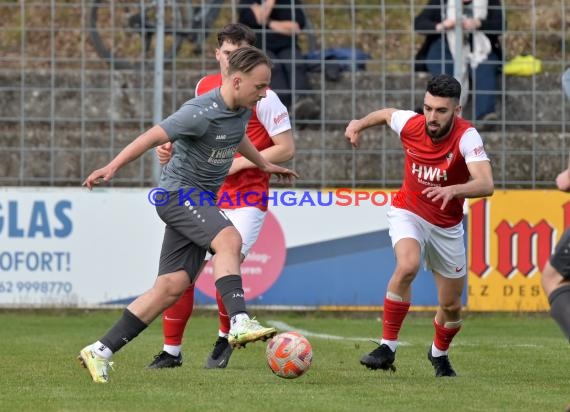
(249, 330)
(97, 366)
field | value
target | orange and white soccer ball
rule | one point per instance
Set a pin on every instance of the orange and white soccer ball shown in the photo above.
(289, 355)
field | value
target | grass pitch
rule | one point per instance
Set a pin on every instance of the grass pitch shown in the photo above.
(504, 362)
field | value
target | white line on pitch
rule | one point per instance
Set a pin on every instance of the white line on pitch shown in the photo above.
(285, 327)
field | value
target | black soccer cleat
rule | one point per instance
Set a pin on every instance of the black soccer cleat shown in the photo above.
(380, 358)
(165, 360)
(220, 355)
(441, 365)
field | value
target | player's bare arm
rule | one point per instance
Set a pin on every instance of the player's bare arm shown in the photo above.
(480, 185)
(151, 138)
(376, 118)
(248, 150)
(563, 179)
(282, 151)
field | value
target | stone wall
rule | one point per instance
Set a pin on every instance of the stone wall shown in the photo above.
(77, 121)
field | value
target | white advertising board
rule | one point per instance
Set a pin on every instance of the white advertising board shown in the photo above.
(71, 247)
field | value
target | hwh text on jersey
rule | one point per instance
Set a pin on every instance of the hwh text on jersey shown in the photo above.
(429, 173)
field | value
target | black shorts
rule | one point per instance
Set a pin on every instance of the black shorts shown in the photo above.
(560, 260)
(190, 228)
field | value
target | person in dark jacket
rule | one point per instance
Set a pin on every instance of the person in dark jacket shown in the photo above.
(482, 25)
(278, 24)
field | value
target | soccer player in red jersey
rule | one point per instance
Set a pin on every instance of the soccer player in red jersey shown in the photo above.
(445, 162)
(269, 129)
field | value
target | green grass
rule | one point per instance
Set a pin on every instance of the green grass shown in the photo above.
(504, 362)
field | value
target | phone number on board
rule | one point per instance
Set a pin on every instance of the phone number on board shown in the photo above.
(51, 288)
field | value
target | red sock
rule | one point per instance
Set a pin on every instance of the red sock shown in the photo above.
(175, 317)
(394, 314)
(223, 314)
(443, 336)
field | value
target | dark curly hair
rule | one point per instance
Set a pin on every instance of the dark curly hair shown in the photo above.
(444, 85)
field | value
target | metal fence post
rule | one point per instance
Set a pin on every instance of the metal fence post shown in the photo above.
(158, 80)
(458, 63)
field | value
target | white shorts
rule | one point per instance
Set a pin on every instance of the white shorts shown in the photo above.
(443, 249)
(248, 222)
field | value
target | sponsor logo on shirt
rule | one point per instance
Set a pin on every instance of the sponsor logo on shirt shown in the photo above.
(429, 173)
(412, 153)
(279, 118)
(221, 137)
(479, 150)
(222, 156)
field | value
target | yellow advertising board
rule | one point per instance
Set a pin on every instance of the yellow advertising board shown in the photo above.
(511, 235)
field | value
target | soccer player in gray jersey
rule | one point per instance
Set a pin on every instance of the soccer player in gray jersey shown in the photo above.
(269, 129)
(207, 132)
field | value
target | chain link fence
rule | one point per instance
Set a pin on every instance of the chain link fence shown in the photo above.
(76, 86)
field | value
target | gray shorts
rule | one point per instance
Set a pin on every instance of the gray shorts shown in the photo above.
(189, 231)
(560, 260)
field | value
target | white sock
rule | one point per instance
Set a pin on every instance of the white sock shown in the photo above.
(436, 353)
(394, 297)
(173, 350)
(392, 344)
(453, 325)
(238, 318)
(101, 350)
(222, 334)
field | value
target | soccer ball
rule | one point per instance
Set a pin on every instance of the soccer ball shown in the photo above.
(289, 355)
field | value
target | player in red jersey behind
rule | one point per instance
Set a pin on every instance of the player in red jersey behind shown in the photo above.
(445, 162)
(269, 129)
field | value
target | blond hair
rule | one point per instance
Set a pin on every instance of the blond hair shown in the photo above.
(245, 59)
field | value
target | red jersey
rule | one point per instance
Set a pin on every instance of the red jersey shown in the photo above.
(428, 164)
(269, 118)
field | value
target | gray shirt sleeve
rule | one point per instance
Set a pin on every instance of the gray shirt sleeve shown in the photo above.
(186, 122)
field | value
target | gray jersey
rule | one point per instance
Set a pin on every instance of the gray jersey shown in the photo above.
(205, 135)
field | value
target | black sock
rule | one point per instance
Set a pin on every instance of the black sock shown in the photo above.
(126, 329)
(560, 308)
(231, 291)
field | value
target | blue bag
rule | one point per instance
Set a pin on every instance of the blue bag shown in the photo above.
(337, 60)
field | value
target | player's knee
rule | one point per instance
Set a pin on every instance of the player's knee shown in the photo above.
(228, 241)
(451, 307)
(407, 270)
(170, 287)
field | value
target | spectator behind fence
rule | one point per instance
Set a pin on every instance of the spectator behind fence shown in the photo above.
(482, 54)
(277, 24)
